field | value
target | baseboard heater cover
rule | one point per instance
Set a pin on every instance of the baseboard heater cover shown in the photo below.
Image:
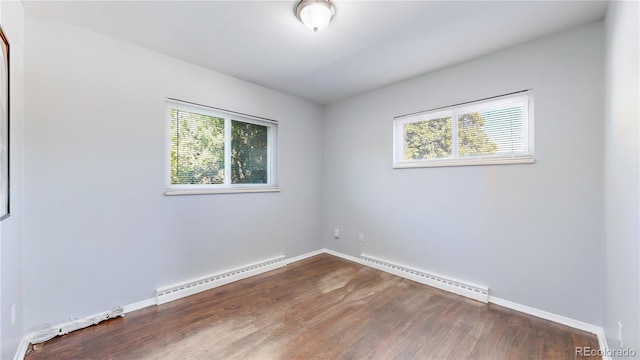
(174, 292)
(476, 292)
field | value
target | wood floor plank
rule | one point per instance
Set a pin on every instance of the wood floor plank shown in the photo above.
(322, 307)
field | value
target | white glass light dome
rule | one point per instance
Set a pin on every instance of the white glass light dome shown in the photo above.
(315, 14)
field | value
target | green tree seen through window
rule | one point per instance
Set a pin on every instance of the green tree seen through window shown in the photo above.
(248, 153)
(432, 139)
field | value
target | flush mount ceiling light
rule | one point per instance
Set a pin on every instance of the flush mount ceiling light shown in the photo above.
(315, 14)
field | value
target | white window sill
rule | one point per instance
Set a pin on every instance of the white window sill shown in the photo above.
(174, 192)
(464, 162)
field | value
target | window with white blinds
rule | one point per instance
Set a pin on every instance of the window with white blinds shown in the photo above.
(498, 130)
(212, 150)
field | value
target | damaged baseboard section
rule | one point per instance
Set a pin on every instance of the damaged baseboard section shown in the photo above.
(36, 337)
(48, 333)
(41, 336)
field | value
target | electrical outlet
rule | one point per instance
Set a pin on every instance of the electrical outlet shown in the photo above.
(361, 237)
(13, 314)
(336, 233)
(620, 334)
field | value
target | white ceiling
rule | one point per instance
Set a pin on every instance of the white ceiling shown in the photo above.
(369, 44)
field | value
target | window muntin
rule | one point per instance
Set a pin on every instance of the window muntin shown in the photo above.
(493, 131)
(215, 150)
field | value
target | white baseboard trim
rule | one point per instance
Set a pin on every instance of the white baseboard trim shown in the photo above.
(139, 305)
(22, 349)
(576, 324)
(342, 255)
(598, 331)
(602, 342)
(304, 256)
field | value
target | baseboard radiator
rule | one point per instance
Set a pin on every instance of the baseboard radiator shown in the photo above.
(174, 292)
(475, 292)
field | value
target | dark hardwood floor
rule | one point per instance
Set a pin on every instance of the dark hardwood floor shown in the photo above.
(323, 307)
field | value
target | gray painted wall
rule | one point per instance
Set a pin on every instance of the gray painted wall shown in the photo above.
(622, 156)
(532, 233)
(11, 229)
(99, 232)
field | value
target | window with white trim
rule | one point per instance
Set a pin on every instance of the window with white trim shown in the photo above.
(212, 150)
(498, 130)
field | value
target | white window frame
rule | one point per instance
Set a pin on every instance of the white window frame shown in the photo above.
(227, 187)
(525, 157)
